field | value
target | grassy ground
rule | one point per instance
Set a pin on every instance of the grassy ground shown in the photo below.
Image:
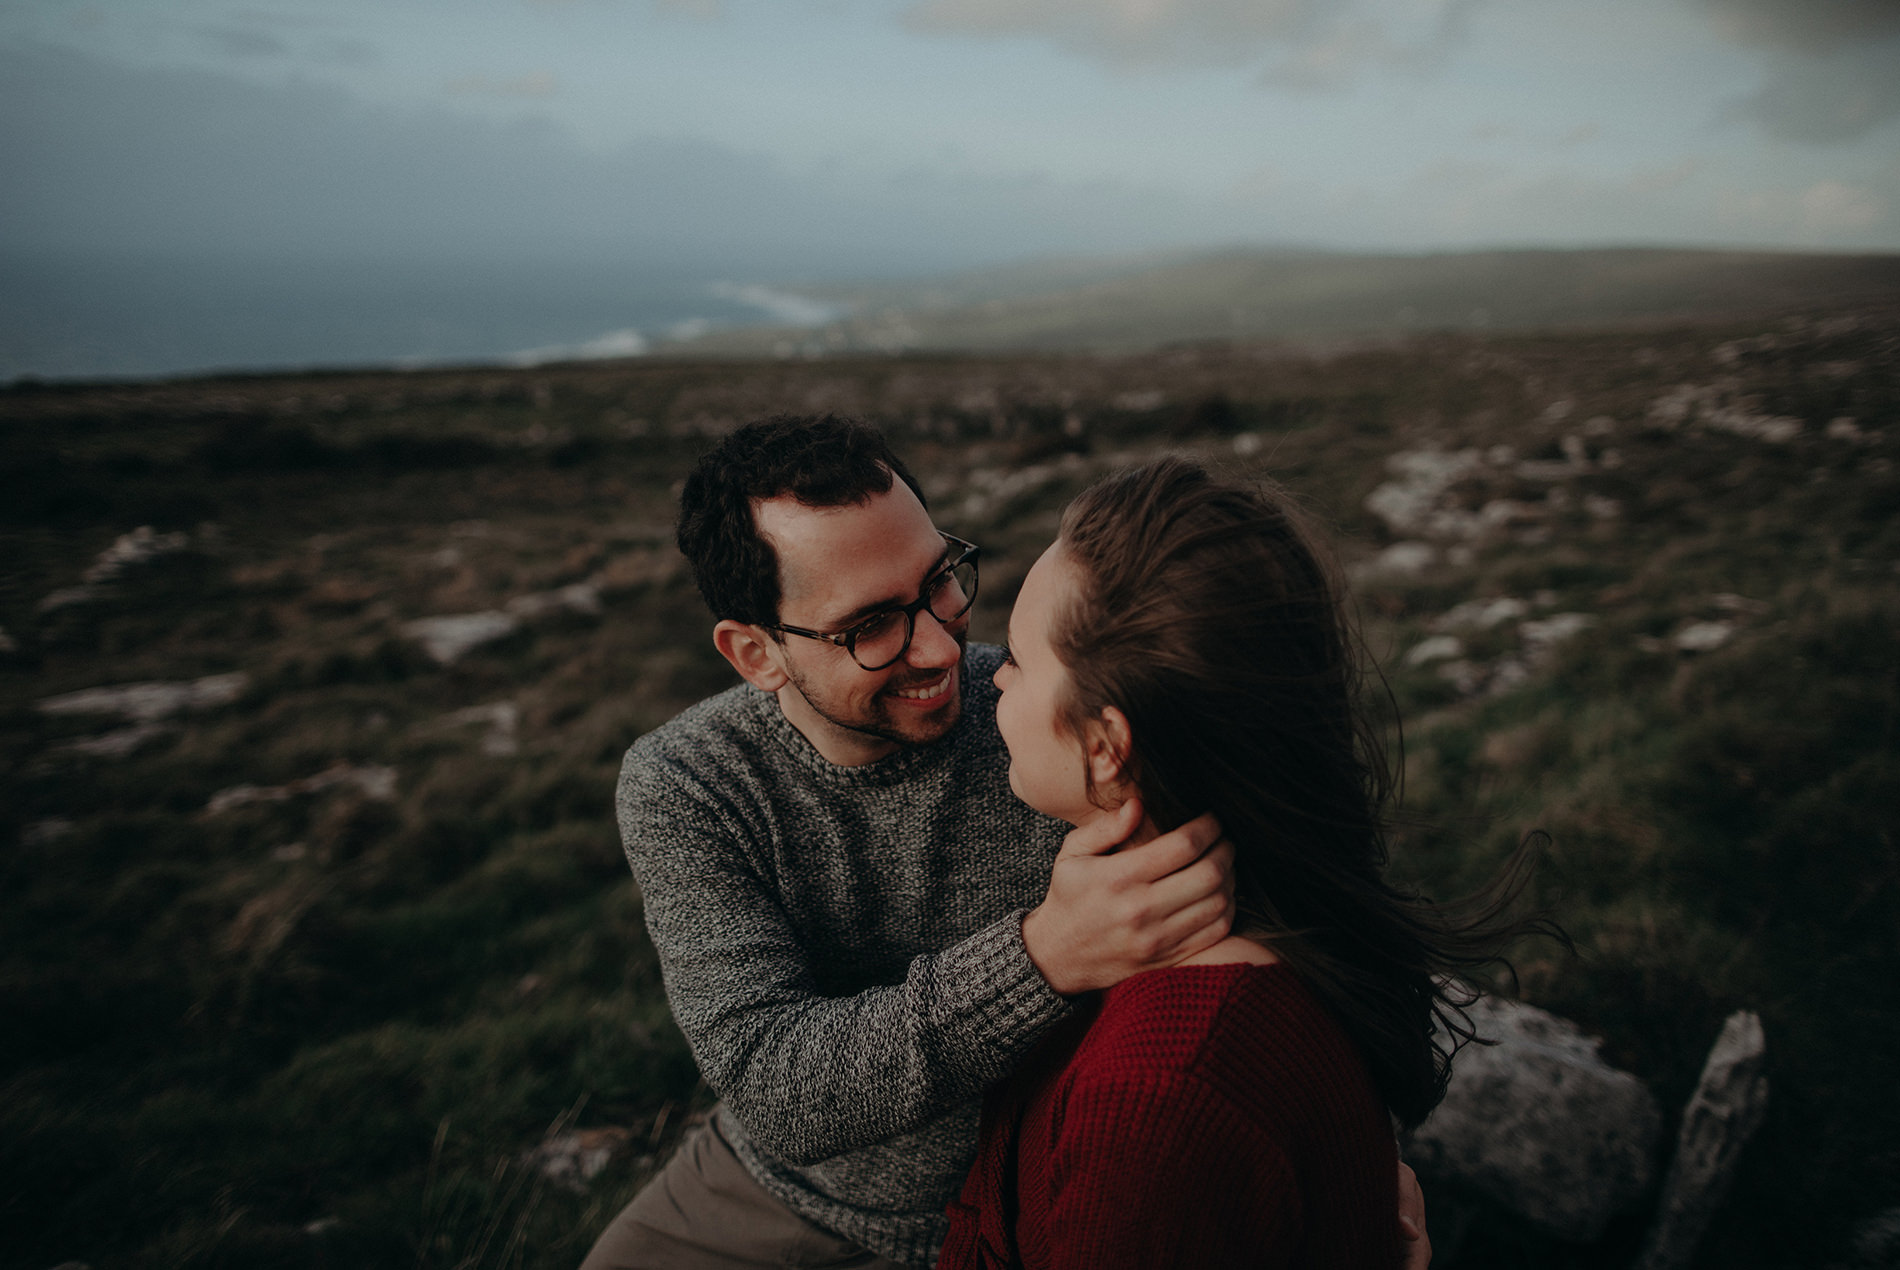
(315, 1025)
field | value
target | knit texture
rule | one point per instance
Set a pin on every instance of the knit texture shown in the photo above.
(842, 947)
(1208, 1117)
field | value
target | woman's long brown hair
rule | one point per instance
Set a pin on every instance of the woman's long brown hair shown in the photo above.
(1209, 614)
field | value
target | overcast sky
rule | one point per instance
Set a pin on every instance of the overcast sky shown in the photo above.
(819, 136)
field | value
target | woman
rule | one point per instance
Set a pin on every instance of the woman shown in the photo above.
(1182, 644)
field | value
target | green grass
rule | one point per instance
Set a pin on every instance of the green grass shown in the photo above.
(324, 1030)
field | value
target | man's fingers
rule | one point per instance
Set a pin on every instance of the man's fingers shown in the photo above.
(1182, 913)
(1195, 927)
(1203, 831)
(1175, 850)
(1103, 834)
(1210, 875)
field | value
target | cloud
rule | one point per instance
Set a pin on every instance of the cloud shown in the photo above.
(1658, 180)
(1833, 65)
(1828, 99)
(1806, 26)
(1831, 208)
(1129, 30)
(123, 161)
(1332, 59)
(251, 35)
(1460, 202)
(1304, 44)
(1349, 49)
(1826, 213)
(535, 84)
(242, 42)
(350, 52)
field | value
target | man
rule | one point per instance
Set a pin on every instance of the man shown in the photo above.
(858, 925)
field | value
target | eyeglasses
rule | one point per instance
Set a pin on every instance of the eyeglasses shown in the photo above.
(882, 638)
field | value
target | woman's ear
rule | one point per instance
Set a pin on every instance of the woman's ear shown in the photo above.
(1109, 744)
(752, 653)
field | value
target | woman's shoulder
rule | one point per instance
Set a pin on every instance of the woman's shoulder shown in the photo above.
(1246, 1028)
(1164, 1018)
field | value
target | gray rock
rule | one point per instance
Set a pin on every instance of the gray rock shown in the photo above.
(574, 1158)
(1434, 648)
(128, 551)
(1723, 1113)
(371, 781)
(150, 702)
(581, 597)
(1702, 637)
(1876, 1244)
(1405, 559)
(1539, 1123)
(447, 638)
(119, 742)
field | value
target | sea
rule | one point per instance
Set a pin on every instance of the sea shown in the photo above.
(141, 317)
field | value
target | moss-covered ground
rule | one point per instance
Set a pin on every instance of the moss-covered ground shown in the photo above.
(315, 1026)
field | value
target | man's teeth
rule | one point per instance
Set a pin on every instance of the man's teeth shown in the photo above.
(928, 693)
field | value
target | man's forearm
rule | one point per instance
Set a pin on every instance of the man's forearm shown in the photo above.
(811, 1076)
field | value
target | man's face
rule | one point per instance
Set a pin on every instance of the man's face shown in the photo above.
(838, 565)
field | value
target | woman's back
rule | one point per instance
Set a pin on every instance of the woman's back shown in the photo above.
(1205, 1116)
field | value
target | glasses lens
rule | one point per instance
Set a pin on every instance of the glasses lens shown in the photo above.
(953, 592)
(881, 640)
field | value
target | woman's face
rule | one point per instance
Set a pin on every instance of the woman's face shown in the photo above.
(1047, 768)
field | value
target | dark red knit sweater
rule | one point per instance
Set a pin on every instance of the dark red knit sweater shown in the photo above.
(1207, 1116)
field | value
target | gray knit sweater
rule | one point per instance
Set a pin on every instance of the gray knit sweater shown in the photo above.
(843, 947)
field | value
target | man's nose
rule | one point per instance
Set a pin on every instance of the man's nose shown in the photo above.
(932, 646)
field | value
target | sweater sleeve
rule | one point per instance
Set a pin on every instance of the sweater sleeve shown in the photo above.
(1160, 1171)
(811, 1076)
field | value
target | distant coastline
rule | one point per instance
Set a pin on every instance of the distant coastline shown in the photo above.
(94, 317)
(71, 317)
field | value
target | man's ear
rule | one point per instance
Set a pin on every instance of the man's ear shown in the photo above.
(752, 652)
(1108, 744)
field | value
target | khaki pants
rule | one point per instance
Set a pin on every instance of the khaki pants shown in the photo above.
(704, 1211)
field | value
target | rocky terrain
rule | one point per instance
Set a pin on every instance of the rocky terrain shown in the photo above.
(320, 949)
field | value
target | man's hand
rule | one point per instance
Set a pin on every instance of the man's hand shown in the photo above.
(1110, 914)
(1416, 1254)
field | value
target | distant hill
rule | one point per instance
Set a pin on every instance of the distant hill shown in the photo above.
(1137, 303)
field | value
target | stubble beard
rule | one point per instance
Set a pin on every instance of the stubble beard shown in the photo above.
(879, 721)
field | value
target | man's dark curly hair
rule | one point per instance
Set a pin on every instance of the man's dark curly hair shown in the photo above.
(822, 461)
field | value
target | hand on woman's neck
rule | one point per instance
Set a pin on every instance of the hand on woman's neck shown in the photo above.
(1234, 949)
(1146, 831)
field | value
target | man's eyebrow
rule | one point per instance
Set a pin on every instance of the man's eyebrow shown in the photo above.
(863, 611)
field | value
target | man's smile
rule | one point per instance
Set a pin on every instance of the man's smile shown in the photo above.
(926, 692)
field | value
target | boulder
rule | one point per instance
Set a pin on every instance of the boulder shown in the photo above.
(1723, 1113)
(1876, 1243)
(1540, 1124)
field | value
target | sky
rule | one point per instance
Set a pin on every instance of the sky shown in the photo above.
(193, 184)
(827, 136)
